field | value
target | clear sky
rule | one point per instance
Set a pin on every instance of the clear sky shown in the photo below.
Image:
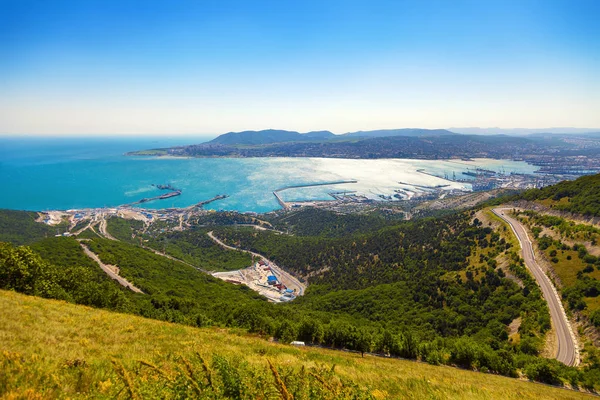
(205, 67)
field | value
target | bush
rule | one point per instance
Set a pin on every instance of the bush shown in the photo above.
(543, 371)
(529, 345)
(595, 318)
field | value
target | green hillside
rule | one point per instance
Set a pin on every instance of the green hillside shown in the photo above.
(581, 196)
(20, 227)
(429, 290)
(52, 349)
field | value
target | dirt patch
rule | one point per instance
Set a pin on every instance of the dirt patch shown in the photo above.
(584, 326)
(51, 217)
(503, 263)
(514, 326)
(550, 344)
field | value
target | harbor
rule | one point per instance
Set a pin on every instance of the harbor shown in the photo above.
(287, 206)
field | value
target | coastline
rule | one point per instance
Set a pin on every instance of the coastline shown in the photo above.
(113, 180)
(334, 157)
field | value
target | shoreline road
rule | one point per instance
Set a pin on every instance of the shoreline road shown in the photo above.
(568, 352)
(287, 279)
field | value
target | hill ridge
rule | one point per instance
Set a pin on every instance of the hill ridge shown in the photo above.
(269, 136)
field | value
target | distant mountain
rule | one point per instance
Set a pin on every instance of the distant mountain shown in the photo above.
(522, 131)
(269, 136)
(326, 135)
(410, 132)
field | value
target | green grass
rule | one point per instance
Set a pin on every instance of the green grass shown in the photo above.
(566, 269)
(551, 203)
(52, 349)
(593, 304)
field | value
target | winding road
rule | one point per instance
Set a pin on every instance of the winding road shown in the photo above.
(568, 351)
(288, 280)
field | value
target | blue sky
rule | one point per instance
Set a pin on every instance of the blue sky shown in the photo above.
(205, 67)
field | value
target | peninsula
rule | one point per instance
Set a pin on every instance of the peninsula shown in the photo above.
(555, 153)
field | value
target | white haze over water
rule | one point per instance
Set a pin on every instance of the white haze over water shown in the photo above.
(375, 177)
(70, 174)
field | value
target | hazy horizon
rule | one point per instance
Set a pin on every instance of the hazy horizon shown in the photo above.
(210, 136)
(206, 68)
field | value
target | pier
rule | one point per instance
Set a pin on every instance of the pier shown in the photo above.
(161, 197)
(423, 186)
(205, 202)
(282, 203)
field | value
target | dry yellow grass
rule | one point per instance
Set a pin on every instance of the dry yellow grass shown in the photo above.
(56, 349)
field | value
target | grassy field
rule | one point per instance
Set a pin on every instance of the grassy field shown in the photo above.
(568, 265)
(52, 349)
(552, 203)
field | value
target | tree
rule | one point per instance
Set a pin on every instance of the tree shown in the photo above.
(364, 341)
(409, 347)
(286, 332)
(543, 371)
(311, 330)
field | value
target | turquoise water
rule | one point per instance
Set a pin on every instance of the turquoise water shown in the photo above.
(60, 174)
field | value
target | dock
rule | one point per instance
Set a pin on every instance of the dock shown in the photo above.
(161, 197)
(282, 203)
(205, 202)
(424, 186)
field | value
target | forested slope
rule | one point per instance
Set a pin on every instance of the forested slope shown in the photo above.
(581, 196)
(20, 227)
(428, 289)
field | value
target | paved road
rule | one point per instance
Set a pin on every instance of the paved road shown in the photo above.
(568, 352)
(288, 280)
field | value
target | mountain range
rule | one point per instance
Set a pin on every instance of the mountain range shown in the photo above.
(269, 136)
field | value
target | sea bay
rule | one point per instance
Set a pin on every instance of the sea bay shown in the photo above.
(60, 174)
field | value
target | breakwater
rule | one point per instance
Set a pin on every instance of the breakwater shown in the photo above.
(204, 202)
(161, 197)
(285, 206)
